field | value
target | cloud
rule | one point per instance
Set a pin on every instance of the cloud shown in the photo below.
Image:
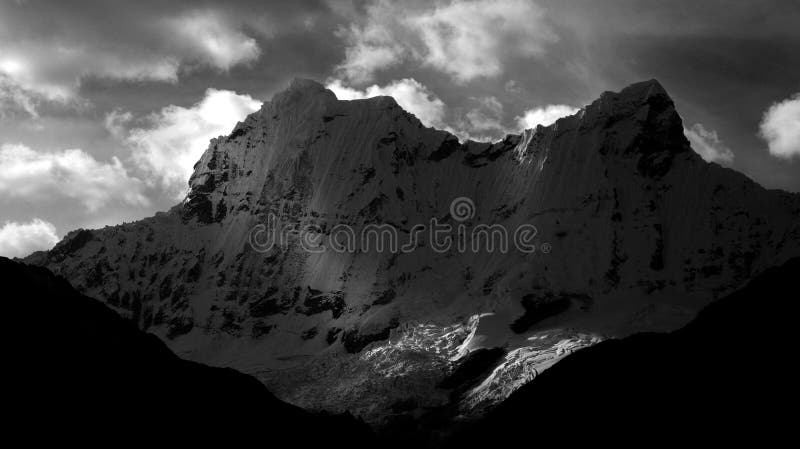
(117, 121)
(214, 40)
(465, 39)
(21, 239)
(41, 72)
(14, 99)
(544, 116)
(707, 144)
(174, 138)
(374, 44)
(71, 174)
(486, 116)
(409, 93)
(481, 122)
(780, 127)
(512, 87)
(40, 62)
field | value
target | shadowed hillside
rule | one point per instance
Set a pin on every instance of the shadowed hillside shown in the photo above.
(728, 375)
(80, 368)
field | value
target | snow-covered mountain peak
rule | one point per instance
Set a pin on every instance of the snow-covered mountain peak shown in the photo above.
(634, 231)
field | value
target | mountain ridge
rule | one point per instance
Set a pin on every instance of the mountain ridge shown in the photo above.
(643, 234)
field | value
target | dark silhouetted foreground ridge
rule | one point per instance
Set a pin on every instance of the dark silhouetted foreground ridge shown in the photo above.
(80, 370)
(728, 376)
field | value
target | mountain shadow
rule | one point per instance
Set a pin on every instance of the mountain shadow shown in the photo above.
(81, 372)
(728, 376)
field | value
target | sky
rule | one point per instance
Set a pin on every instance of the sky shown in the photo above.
(105, 106)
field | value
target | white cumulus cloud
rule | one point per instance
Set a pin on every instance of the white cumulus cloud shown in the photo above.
(20, 239)
(780, 127)
(544, 116)
(708, 145)
(409, 93)
(465, 39)
(174, 138)
(72, 174)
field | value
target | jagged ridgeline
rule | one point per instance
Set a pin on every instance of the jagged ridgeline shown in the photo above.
(643, 233)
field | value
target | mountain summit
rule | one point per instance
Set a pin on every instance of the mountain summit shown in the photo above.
(633, 231)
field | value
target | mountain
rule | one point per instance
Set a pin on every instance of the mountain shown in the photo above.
(80, 371)
(727, 377)
(633, 232)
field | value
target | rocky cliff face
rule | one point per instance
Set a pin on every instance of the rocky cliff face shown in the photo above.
(634, 232)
